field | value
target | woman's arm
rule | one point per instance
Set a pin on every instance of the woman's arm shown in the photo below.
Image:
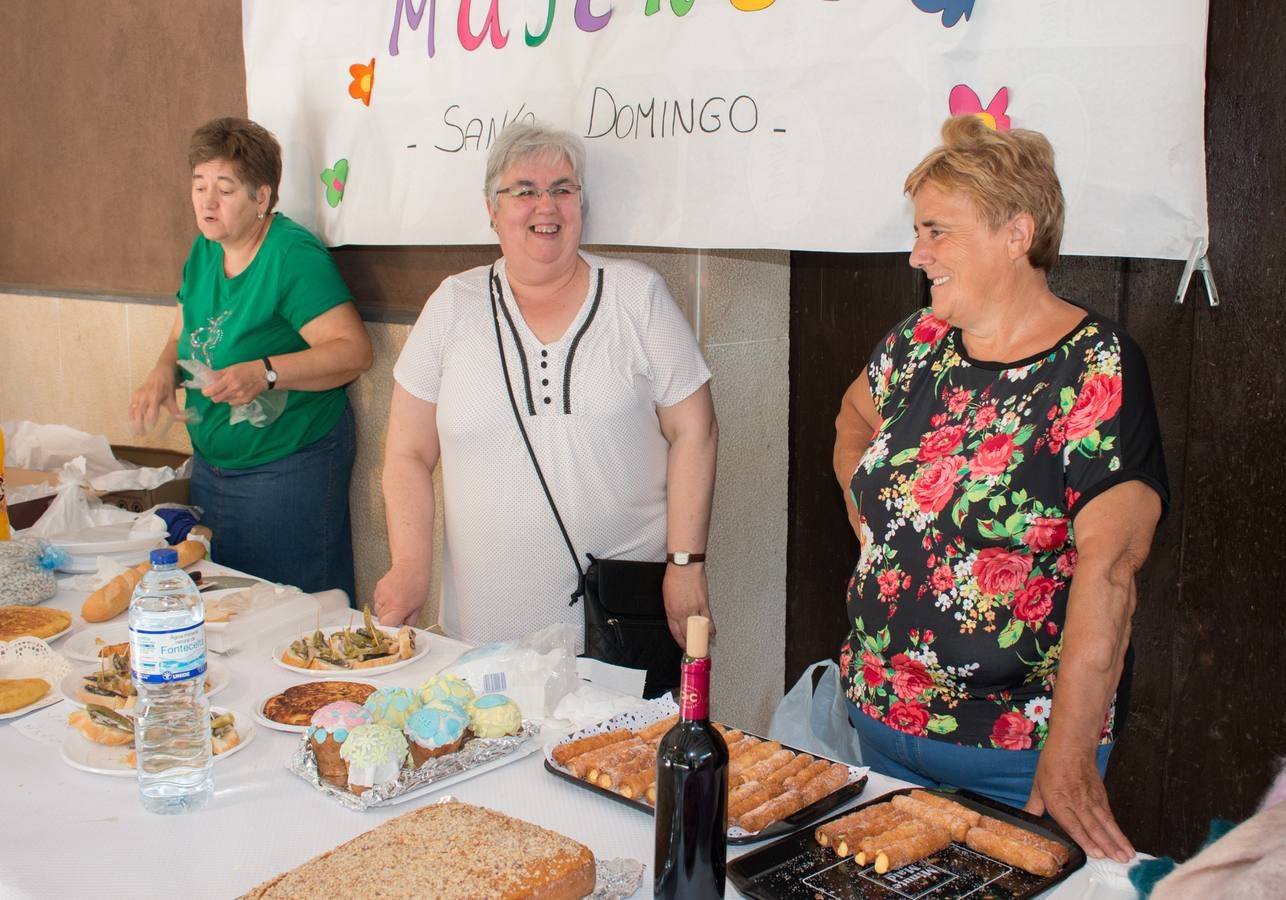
(411, 451)
(339, 350)
(855, 425)
(157, 390)
(1113, 534)
(693, 433)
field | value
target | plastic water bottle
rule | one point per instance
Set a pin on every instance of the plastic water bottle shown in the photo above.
(172, 716)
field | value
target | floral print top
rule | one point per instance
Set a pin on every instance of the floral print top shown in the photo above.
(967, 494)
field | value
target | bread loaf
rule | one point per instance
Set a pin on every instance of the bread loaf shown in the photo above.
(113, 598)
(446, 850)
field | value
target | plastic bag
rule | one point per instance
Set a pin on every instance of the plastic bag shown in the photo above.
(816, 720)
(535, 672)
(26, 571)
(259, 412)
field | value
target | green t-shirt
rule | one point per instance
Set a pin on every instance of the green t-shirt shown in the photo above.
(290, 282)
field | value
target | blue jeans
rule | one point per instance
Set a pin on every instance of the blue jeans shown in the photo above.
(1003, 775)
(285, 521)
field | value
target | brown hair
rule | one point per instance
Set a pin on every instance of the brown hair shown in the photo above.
(1004, 173)
(252, 150)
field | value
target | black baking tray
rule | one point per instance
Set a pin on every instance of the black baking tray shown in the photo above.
(805, 816)
(798, 868)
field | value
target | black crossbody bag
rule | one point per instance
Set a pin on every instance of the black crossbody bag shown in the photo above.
(625, 622)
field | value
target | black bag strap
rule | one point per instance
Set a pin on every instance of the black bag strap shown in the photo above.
(493, 284)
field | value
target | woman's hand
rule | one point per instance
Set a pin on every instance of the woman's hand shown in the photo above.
(154, 394)
(686, 593)
(1067, 787)
(400, 595)
(238, 384)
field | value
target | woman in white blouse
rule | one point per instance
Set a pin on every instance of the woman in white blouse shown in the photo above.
(613, 393)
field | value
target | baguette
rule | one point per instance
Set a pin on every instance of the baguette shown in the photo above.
(113, 598)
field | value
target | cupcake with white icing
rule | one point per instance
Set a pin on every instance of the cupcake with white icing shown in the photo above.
(434, 730)
(374, 754)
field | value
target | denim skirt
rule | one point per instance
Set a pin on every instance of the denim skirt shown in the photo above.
(285, 521)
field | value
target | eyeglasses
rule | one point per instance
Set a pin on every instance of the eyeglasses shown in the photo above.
(559, 193)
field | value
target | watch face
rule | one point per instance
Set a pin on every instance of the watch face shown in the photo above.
(681, 558)
(272, 377)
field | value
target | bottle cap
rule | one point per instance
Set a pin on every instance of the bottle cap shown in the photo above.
(166, 556)
(698, 637)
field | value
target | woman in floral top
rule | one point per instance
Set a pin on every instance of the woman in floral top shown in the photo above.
(1003, 470)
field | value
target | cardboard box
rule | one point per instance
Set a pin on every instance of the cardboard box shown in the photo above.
(24, 515)
(175, 491)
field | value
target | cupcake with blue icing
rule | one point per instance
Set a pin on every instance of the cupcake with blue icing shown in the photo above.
(327, 732)
(494, 715)
(393, 706)
(435, 729)
(447, 688)
(374, 754)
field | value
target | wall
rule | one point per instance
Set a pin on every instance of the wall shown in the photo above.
(76, 360)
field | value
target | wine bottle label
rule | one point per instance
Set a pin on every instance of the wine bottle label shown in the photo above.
(694, 689)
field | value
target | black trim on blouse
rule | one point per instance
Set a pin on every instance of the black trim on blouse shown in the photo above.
(522, 354)
(571, 351)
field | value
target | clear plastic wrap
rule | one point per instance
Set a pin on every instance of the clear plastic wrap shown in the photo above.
(26, 571)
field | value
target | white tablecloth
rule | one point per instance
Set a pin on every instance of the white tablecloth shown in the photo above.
(68, 833)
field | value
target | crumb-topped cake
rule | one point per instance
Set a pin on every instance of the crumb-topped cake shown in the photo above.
(447, 850)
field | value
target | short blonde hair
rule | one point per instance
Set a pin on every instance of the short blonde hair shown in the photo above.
(1004, 173)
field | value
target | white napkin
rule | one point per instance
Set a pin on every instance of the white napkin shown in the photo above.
(108, 569)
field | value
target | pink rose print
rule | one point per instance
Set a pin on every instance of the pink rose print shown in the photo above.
(1045, 534)
(999, 571)
(936, 483)
(1098, 401)
(1034, 600)
(872, 669)
(910, 678)
(943, 579)
(940, 442)
(889, 581)
(992, 457)
(1067, 563)
(958, 402)
(984, 416)
(929, 330)
(910, 718)
(1011, 732)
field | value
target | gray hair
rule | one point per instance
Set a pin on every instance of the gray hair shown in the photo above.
(526, 142)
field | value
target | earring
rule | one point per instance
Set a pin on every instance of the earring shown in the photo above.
(493, 224)
(261, 215)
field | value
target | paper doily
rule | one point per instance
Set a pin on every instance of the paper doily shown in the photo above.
(30, 657)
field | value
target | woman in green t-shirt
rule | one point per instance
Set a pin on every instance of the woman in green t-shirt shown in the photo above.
(266, 317)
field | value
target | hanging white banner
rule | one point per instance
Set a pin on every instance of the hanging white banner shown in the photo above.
(728, 123)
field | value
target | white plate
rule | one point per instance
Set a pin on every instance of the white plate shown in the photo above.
(216, 673)
(421, 648)
(84, 645)
(101, 540)
(282, 726)
(81, 753)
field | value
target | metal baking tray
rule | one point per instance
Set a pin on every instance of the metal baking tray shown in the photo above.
(798, 868)
(805, 816)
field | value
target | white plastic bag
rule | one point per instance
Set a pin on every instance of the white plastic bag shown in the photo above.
(817, 720)
(535, 672)
(259, 412)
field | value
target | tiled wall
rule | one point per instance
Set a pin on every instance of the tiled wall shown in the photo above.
(76, 361)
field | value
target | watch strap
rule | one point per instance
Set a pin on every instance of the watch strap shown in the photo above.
(683, 558)
(270, 373)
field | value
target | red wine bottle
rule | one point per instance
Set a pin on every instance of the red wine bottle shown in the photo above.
(692, 786)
